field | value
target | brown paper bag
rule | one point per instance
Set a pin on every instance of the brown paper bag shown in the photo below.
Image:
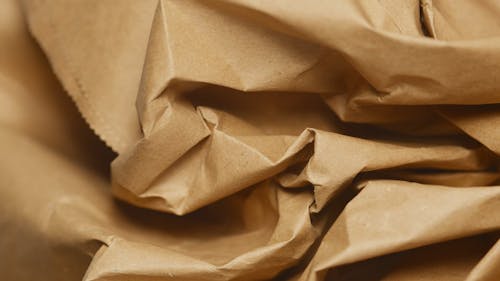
(284, 140)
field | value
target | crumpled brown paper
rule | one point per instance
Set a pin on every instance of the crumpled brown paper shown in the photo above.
(284, 140)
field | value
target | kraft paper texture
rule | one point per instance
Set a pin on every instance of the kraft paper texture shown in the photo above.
(250, 140)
